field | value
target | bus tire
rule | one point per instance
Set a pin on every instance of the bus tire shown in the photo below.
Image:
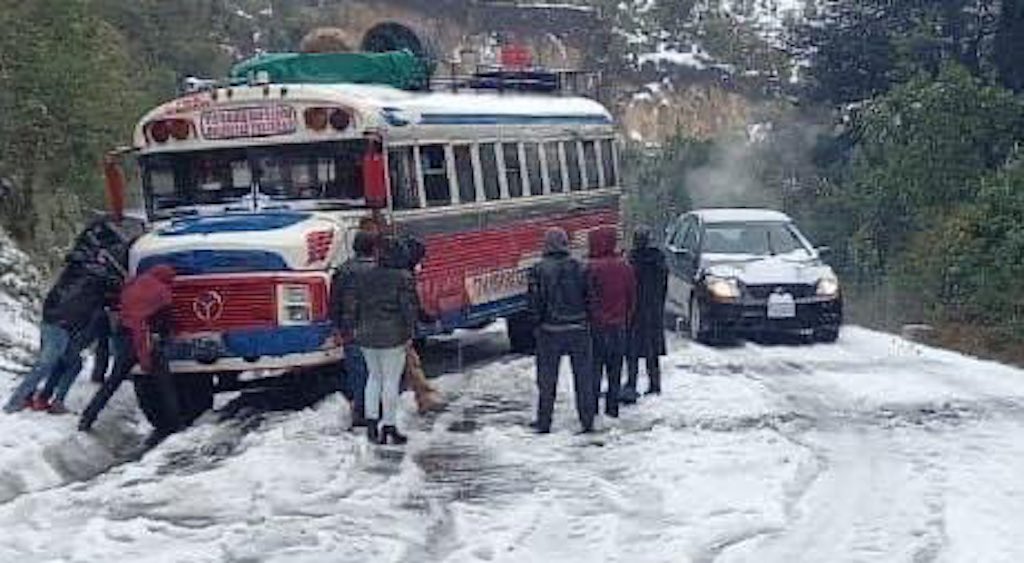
(521, 337)
(158, 399)
(195, 395)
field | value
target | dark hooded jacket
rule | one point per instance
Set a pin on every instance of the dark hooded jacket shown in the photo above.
(647, 330)
(386, 304)
(84, 287)
(342, 298)
(611, 281)
(558, 290)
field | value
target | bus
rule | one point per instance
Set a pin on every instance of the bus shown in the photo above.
(253, 189)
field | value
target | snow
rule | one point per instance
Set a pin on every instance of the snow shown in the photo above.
(695, 58)
(740, 215)
(875, 448)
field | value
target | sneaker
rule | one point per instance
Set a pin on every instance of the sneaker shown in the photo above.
(628, 396)
(358, 419)
(39, 404)
(57, 407)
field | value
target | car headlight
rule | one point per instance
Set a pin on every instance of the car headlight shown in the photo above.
(828, 286)
(722, 289)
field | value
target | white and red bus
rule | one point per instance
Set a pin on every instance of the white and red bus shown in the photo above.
(253, 193)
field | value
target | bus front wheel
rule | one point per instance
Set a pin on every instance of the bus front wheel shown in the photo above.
(172, 401)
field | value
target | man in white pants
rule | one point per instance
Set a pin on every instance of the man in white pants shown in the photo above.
(383, 309)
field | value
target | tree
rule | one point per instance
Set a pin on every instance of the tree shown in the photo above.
(861, 49)
(65, 98)
(1009, 45)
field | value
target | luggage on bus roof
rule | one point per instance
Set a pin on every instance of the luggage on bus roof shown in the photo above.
(400, 69)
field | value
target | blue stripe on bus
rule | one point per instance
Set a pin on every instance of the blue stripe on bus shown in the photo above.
(198, 262)
(277, 341)
(497, 119)
(474, 316)
(250, 222)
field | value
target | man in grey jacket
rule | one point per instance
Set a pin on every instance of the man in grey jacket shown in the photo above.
(342, 292)
(384, 311)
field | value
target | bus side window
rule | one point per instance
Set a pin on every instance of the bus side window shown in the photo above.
(513, 172)
(572, 162)
(553, 160)
(489, 169)
(533, 171)
(402, 170)
(590, 159)
(435, 175)
(608, 162)
(464, 173)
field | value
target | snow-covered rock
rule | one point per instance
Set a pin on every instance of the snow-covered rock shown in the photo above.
(41, 451)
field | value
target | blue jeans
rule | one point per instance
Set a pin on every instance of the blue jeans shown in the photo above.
(54, 342)
(354, 384)
(61, 380)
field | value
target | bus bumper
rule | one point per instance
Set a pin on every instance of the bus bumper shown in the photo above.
(274, 348)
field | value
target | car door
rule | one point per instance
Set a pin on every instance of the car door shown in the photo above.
(681, 263)
(689, 261)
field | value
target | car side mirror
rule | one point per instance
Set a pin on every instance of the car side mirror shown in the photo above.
(824, 250)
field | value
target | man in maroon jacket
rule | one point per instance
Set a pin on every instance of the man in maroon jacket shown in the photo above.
(612, 296)
(143, 300)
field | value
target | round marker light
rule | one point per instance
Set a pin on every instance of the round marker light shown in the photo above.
(316, 119)
(340, 120)
(159, 131)
(180, 128)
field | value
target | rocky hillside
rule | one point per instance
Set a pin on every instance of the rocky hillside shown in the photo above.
(20, 283)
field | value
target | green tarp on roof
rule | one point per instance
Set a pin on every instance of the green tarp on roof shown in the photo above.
(400, 69)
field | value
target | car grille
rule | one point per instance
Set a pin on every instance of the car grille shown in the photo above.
(243, 303)
(798, 291)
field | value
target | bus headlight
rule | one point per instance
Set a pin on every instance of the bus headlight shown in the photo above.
(294, 305)
(722, 289)
(828, 286)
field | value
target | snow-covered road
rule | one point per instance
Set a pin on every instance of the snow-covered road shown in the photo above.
(874, 449)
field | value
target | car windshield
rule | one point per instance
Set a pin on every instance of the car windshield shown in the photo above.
(287, 176)
(756, 239)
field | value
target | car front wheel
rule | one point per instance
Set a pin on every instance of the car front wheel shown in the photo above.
(827, 334)
(700, 331)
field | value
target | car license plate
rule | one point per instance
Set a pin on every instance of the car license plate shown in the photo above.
(781, 306)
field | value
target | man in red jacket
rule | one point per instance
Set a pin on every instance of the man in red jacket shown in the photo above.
(143, 300)
(612, 298)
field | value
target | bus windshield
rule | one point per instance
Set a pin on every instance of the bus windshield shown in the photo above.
(243, 179)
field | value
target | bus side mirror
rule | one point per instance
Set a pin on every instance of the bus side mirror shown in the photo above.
(375, 176)
(115, 186)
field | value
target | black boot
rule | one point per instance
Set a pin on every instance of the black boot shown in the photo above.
(655, 384)
(372, 432)
(358, 418)
(391, 434)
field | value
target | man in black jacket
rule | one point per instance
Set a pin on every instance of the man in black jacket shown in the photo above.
(84, 287)
(558, 303)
